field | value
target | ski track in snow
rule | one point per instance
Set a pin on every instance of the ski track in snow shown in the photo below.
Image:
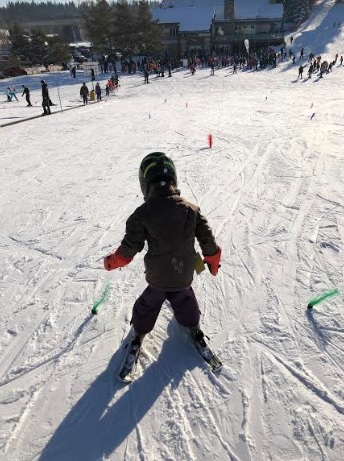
(272, 189)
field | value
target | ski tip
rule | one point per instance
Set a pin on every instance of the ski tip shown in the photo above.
(216, 368)
(125, 380)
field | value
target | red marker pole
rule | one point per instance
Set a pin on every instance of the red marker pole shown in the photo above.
(210, 141)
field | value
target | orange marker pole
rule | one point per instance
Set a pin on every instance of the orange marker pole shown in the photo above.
(210, 141)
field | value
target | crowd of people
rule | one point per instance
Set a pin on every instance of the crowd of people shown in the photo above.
(318, 66)
(161, 66)
(110, 88)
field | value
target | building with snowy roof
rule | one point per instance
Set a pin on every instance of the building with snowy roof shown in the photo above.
(219, 24)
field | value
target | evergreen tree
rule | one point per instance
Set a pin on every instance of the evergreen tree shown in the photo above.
(35, 48)
(296, 11)
(38, 48)
(58, 51)
(124, 28)
(148, 34)
(98, 24)
(20, 42)
(23, 11)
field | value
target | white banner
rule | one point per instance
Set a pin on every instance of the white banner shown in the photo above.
(247, 46)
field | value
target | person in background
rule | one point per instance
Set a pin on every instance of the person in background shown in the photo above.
(98, 91)
(26, 91)
(13, 92)
(45, 98)
(9, 94)
(84, 92)
(146, 75)
(300, 72)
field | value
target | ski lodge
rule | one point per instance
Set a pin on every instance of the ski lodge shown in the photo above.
(219, 25)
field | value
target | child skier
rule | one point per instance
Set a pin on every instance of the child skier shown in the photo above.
(98, 92)
(169, 224)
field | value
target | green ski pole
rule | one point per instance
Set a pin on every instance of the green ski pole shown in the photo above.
(101, 300)
(318, 300)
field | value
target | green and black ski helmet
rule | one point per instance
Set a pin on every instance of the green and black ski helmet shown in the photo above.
(156, 167)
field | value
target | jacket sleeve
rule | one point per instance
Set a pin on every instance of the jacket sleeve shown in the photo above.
(135, 236)
(205, 236)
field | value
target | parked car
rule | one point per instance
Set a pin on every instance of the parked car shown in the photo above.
(78, 57)
(85, 52)
(13, 72)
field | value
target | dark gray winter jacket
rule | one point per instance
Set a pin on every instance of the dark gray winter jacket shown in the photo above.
(169, 224)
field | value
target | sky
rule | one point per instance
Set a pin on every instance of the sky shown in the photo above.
(5, 2)
(272, 188)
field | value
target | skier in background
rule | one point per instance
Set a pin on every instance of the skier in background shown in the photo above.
(300, 72)
(13, 92)
(45, 98)
(26, 91)
(8, 94)
(146, 75)
(169, 224)
(310, 71)
(98, 92)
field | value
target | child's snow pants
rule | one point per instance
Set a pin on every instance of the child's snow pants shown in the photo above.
(147, 308)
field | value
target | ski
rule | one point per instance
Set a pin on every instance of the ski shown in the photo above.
(133, 349)
(208, 355)
(128, 367)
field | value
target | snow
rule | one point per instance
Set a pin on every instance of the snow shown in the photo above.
(189, 18)
(196, 15)
(252, 9)
(272, 187)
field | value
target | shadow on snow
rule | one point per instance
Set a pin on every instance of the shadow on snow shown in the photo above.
(94, 427)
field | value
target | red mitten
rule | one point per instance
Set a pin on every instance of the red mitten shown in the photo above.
(213, 262)
(116, 260)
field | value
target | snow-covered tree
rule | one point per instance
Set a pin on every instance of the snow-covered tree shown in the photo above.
(296, 11)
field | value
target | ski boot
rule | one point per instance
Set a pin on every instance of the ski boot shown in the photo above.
(198, 338)
(128, 368)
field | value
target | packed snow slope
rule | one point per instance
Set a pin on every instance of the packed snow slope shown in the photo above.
(272, 187)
